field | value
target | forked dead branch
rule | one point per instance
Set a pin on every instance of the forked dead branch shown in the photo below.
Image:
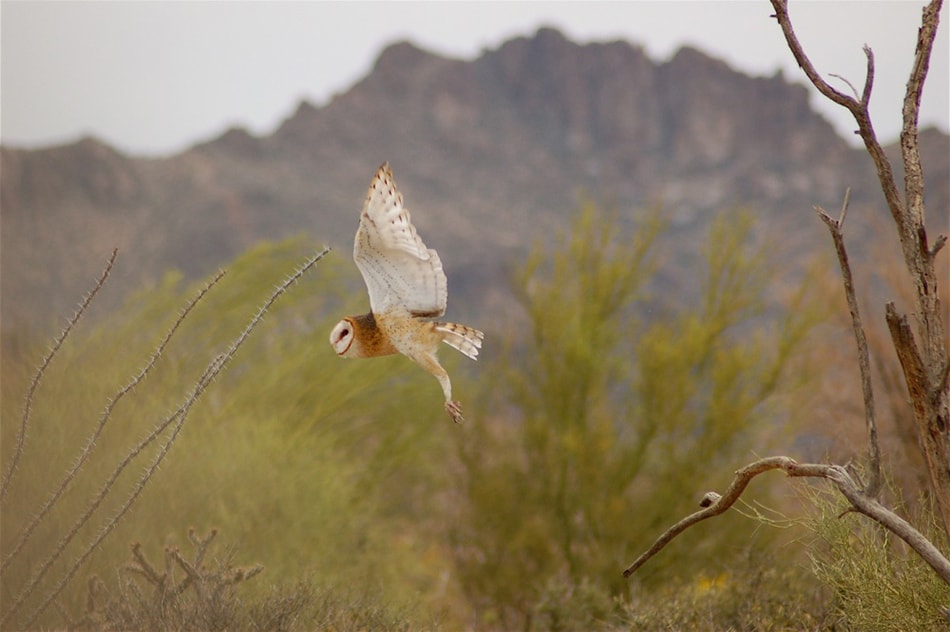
(922, 354)
(714, 504)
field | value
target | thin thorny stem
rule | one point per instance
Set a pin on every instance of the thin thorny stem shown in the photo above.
(106, 415)
(35, 383)
(211, 371)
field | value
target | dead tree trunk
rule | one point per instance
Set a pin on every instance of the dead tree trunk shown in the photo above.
(922, 353)
(921, 350)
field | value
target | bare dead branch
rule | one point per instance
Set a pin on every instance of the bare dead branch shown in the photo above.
(858, 108)
(918, 257)
(716, 505)
(781, 14)
(833, 473)
(917, 380)
(932, 415)
(35, 383)
(924, 369)
(854, 90)
(873, 487)
(868, 78)
(942, 381)
(891, 521)
(913, 174)
(938, 244)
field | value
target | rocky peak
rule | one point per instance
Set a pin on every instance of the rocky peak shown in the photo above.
(87, 168)
(495, 153)
(402, 59)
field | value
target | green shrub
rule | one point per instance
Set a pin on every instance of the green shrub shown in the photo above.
(879, 584)
(620, 413)
(757, 595)
(285, 451)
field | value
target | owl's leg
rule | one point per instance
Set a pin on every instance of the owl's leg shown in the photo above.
(429, 362)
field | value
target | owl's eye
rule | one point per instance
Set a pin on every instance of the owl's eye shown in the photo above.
(345, 332)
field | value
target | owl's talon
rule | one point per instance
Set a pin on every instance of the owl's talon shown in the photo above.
(455, 411)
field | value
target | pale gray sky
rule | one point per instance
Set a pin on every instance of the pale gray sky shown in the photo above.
(155, 77)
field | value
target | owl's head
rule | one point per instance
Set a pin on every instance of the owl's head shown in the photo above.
(342, 337)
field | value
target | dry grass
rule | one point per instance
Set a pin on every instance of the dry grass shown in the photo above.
(202, 591)
(878, 583)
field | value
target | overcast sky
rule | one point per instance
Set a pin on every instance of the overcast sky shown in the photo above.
(155, 77)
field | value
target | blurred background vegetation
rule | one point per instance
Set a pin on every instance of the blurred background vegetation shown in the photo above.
(597, 416)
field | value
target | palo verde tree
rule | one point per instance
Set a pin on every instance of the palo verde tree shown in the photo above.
(592, 418)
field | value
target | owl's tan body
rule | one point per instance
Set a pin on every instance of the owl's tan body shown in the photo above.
(406, 286)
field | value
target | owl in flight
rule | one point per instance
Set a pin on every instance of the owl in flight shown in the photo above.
(407, 286)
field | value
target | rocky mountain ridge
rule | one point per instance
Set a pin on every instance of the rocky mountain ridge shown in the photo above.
(491, 155)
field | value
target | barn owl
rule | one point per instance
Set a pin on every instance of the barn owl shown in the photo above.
(407, 286)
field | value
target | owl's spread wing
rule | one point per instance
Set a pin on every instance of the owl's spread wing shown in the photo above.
(397, 267)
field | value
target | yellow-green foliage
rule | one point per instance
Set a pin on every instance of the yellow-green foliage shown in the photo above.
(288, 453)
(599, 421)
(625, 414)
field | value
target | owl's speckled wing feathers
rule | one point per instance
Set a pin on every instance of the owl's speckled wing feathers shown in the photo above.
(406, 286)
(397, 267)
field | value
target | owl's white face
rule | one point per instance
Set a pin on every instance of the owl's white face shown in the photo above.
(342, 337)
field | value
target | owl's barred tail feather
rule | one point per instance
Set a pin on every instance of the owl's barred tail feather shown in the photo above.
(461, 337)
